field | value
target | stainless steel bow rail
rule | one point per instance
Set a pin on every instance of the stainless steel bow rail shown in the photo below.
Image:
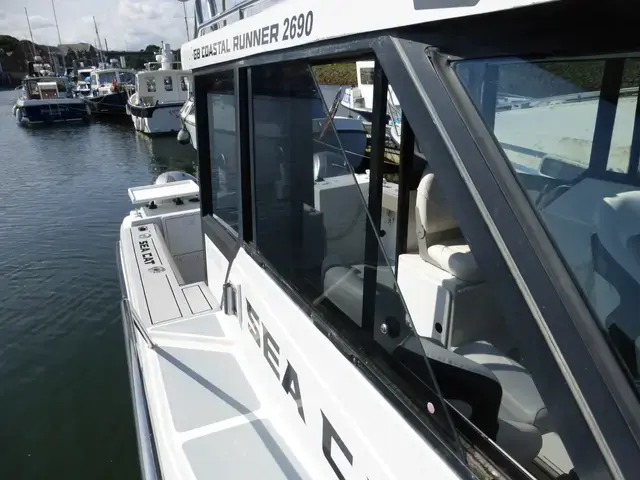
(131, 317)
(149, 464)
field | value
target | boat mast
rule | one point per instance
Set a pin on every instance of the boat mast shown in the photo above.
(55, 17)
(33, 45)
(186, 24)
(100, 53)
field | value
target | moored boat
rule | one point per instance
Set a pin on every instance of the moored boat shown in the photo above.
(110, 90)
(45, 100)
(161, 92)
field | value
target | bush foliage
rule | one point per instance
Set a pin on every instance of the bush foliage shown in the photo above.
(336, 74)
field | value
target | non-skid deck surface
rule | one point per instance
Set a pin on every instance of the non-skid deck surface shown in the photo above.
(161, 296)
(216, 417)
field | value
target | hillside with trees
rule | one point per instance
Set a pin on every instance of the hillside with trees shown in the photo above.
(15, 53)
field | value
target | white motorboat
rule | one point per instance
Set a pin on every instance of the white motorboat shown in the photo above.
(472, 317)
(352, 132)
(359, 100)
(161, 92)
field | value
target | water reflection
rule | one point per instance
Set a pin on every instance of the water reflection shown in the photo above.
(165, 153)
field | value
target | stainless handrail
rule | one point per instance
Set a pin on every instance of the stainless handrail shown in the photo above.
(150, 64)
(227, 13)
(133, 316)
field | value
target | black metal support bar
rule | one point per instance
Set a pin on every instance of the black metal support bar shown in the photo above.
(606, 116)
(406, 170)
(376, 166)
(204, 149)
(243, 138)
(634, 153)
(248, 164)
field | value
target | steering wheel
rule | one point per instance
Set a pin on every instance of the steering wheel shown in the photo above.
(549, 194)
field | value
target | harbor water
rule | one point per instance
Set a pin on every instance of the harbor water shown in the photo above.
(65, 406)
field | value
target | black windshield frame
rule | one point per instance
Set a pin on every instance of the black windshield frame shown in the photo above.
(533, 274)
(469, 147)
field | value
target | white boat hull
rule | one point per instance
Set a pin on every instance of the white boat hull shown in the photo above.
(165, 119)
(188, 122)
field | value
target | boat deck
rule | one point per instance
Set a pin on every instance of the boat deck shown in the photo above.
(212, 416)
(208, 418)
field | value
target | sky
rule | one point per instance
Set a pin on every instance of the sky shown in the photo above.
(125, 24)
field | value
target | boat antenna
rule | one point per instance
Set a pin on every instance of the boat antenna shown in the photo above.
(186, 24)
(99, 42)
(55, 17)
(33, 45)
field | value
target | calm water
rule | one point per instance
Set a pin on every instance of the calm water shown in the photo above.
(65, 407)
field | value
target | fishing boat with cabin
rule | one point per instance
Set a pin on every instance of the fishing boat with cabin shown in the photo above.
(46, 100)
(470, 315)
(110, 90)
(161, 92)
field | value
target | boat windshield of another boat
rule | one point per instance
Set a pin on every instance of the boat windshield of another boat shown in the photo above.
(161, 91)
(110, 90)
(47, 99)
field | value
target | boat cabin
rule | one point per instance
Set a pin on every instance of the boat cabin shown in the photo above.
(470, 312)
(102, 80)
(83, 73)
(41, 88)
(163, 86)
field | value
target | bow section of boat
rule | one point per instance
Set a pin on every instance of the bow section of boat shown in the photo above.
(199, 408)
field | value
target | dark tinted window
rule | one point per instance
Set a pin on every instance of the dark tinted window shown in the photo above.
(366, 76)
(311, 220)
(168, 84)
(221, 102)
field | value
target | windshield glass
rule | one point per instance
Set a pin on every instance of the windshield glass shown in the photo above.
(311, 161)
(571, 131)
(126, 77)
(106, 78)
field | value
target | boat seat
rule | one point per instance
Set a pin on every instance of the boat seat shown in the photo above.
(521, 401)
(509, 410)
(616, 260)
(440, 241)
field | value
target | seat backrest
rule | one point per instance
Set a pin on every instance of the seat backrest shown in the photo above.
(440, 240)
(434, 220)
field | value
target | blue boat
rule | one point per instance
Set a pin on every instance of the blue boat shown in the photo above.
(48, 99)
